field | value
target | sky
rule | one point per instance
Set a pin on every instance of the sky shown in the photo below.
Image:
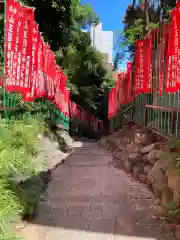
(111, 14)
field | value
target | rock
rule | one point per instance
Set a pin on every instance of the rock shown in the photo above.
(135, 158)
(125, 127)
(147, 169)
(142, 178)
(145, 159)
(136, 171)
(124, 155)
(177, 233)
(157, 193)
(174, 184)
(157, 176)
(120, 145)
(113, 147)
(148, 148)
(117, 155)
(129, 147)
(158, 211)
(119, 164)
(167, 197)
(128, 166)
(127, 139)
(147, 138)
(137, 137)
(157, 201)
(133, 148)
(144, 137)
(154, 155)
(159, 154)
(107, 145)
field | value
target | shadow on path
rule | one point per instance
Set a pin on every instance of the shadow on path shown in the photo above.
(87, 198)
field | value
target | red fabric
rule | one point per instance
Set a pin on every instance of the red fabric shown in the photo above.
(140, 83)
(110, 104)
(129, 81)
(12, 20)
(26, 50)
(30, 96)
(171, 77)
(148, 62)
(178, 36)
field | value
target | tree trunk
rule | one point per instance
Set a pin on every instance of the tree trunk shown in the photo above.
(160, 10)
(146, 17)
(134, 1)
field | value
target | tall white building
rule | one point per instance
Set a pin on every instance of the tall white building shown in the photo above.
(102, 41)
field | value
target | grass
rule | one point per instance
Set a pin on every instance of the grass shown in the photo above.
(20, 184)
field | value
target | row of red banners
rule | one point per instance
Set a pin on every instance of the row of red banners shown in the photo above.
(30, 65)
(80, 113)
(165, 60)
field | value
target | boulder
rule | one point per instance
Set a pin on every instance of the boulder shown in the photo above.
(142, 178)
(154, 155)
(147, 169)
(107, 145)
(157, 176)
(147, 138)
(137, 137)
(135, 158)
(103, 141)
(113, 147)
(157, 193)
(144, 137)
(148, 148)
(167, 197)
(137, 170)
(157, 201)
(129, 147)
(145, 159)
(124, 155)
(177, 233)
(174, 184)
(127, 166)
(119, 164)
(121, 145)
(127, 139)
(118, 154)
(133, 148)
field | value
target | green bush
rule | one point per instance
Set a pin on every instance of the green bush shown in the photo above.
(20, 185)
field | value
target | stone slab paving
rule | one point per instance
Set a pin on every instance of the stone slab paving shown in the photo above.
(88, 199)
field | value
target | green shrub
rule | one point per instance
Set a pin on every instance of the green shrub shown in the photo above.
(20, 186)
(173, 211)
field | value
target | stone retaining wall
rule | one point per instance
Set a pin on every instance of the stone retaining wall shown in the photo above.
(142, 154)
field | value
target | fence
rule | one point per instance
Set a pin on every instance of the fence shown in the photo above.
(149, 91)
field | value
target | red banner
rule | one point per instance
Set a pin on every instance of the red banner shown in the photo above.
(140, 83)
(148, 42)
(178, 36)
(171, 77)
(12, 21)
(129, 81)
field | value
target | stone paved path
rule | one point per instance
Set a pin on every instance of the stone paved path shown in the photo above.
(88, 199)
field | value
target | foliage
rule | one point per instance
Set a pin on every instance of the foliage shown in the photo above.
(20, 186)
(134, 21)
(172, 157)
(84, 65)
(173, 211)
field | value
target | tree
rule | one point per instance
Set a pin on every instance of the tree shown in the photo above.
(61, 22)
